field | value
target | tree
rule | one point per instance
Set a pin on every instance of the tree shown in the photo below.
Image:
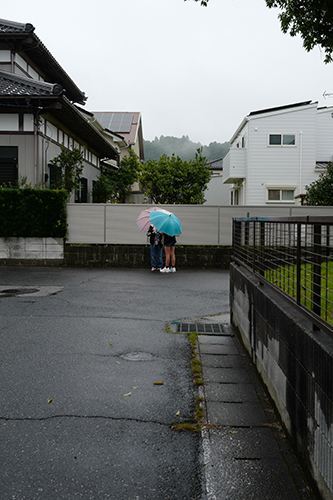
(102, 189)
(183, 147)
(68, 166)
(311, 19)
(172, 180)
(116, 183)
(320, 192)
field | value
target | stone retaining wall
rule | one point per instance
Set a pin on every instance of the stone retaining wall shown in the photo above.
(51, 251)
(295, 363)
(138, 256)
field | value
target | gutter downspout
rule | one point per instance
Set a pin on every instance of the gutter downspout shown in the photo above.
(36, 128)
(300, 161)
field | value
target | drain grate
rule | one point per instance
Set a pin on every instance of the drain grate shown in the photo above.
(200, 328)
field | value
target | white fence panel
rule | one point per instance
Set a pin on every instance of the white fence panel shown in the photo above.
(201, 224)
(121, 226)
(85, 223)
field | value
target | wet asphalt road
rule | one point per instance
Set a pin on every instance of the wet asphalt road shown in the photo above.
(78, 419)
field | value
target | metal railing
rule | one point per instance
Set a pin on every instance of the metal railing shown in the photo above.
(295, 256)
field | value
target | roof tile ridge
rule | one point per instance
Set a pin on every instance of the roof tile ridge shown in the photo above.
(54, 88)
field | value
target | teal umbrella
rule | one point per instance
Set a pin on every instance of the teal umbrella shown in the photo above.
(166, 223)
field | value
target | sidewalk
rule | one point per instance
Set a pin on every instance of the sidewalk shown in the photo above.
(246, 454)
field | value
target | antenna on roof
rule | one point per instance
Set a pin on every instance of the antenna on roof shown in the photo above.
(325, 94)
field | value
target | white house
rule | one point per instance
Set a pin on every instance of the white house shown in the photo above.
(275, 153)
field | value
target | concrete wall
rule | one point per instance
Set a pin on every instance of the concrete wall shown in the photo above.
(31, 251)
(295, 363)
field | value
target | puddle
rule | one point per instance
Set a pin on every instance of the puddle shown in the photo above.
(29, 291)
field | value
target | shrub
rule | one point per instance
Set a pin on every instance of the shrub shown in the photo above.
(32, 212)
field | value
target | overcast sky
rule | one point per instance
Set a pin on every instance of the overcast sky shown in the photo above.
(189, 70)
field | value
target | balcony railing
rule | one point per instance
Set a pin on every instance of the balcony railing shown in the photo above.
(293, 255)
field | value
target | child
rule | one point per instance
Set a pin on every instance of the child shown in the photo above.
(170, 255)
(156, 248)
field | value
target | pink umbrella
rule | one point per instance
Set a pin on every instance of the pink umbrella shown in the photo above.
(143, 220)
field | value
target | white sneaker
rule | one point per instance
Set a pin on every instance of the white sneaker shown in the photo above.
(165, 270)
(173, 270)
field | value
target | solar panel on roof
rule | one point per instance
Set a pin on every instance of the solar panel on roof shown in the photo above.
(116, 122)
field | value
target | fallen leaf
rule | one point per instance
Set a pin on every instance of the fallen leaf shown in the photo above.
(118, 363)
(50, 400)
(233, 432)
(178, 413)
(128, 394)
(110, 344)
(135, 387)
(158, 383)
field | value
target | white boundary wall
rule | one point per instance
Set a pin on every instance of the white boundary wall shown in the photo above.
(201, 224)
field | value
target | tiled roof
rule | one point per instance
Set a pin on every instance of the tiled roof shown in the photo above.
(13, 27)
(46, 97)
(11, 31)
(216, 164)
(14, 85)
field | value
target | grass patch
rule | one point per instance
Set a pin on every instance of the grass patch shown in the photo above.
(285, 277)
(196, 370)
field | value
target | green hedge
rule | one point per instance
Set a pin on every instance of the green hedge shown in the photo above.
(32, 212)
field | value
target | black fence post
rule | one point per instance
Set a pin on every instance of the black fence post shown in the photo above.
(298, 263)
(262, 249)
(316, 294)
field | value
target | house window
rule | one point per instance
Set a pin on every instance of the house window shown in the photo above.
(280, 194)
(81, 194)
(282, 140)
(8, 165)
(54, 177)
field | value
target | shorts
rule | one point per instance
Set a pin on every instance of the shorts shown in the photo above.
(169, 244)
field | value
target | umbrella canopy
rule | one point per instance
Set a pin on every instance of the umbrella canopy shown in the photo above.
(166, 223)
(143, 221)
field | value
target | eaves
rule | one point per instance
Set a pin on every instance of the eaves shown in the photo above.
(65, 112)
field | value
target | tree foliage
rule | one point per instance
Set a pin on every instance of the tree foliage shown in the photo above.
(115, 184)
(183, 147)
(102, 189)
(172, 180)
(68, 167)
(320, 192)
(311, 19)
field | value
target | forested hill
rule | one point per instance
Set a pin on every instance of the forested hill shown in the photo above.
(183, 147)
